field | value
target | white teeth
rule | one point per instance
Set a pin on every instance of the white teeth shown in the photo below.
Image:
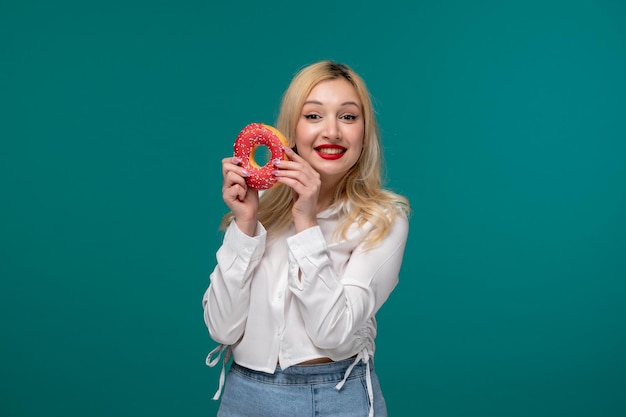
(330, 151)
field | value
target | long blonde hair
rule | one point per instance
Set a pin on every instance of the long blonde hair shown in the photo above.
(359, 194)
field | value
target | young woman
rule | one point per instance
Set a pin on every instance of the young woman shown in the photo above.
(304, 267)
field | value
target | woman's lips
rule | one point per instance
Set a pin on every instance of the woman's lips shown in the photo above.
(330, 152)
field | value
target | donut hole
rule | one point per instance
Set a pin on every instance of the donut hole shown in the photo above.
(261, 154)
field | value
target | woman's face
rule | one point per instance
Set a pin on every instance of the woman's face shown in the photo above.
(330, 129)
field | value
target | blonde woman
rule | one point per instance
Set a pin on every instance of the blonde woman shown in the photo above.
(305, 266)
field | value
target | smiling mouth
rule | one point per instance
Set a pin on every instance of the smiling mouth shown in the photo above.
(330, 152)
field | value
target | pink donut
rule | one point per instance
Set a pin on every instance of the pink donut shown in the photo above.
(249, 139)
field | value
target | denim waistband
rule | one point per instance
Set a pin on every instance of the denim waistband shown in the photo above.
(302, 374)
(306, 374)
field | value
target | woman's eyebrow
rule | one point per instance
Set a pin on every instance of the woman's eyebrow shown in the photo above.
(345, 103)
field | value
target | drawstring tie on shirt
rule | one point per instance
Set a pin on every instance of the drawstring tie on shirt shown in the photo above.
(365, 357)
(212, 362)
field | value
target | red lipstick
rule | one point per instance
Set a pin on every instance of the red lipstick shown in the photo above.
(330, 152)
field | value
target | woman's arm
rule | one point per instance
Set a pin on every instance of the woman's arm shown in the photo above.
(334, 307)
(227, 299)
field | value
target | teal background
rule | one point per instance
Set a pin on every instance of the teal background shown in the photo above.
(503, 122)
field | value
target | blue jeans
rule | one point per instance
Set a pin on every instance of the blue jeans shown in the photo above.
(301, 391)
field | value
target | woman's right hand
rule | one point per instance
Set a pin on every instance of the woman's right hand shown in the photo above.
(242, 200)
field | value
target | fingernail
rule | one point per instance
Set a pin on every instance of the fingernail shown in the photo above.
(287, 148)
(236, 160)
(276, 161)
(245, 173)
(276, 173)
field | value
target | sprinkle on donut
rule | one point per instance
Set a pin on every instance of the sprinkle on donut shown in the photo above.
(249, 139)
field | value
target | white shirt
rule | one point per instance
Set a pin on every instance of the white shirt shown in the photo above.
(258, 305)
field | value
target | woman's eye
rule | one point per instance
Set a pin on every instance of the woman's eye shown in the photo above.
(350, 117)
(312, 116)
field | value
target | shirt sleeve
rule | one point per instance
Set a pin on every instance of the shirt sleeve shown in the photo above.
(335, 307)
(227, 299)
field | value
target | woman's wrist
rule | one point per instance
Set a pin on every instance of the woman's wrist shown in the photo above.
(301, 224)
(247, 226)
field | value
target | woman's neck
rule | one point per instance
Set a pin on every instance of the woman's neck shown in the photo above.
(326, 197)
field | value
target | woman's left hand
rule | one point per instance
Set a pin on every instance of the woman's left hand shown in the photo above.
(305, 183)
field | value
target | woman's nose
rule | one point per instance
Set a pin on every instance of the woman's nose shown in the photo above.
(331, 129)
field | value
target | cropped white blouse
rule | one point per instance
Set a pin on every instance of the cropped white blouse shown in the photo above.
(258, 305)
